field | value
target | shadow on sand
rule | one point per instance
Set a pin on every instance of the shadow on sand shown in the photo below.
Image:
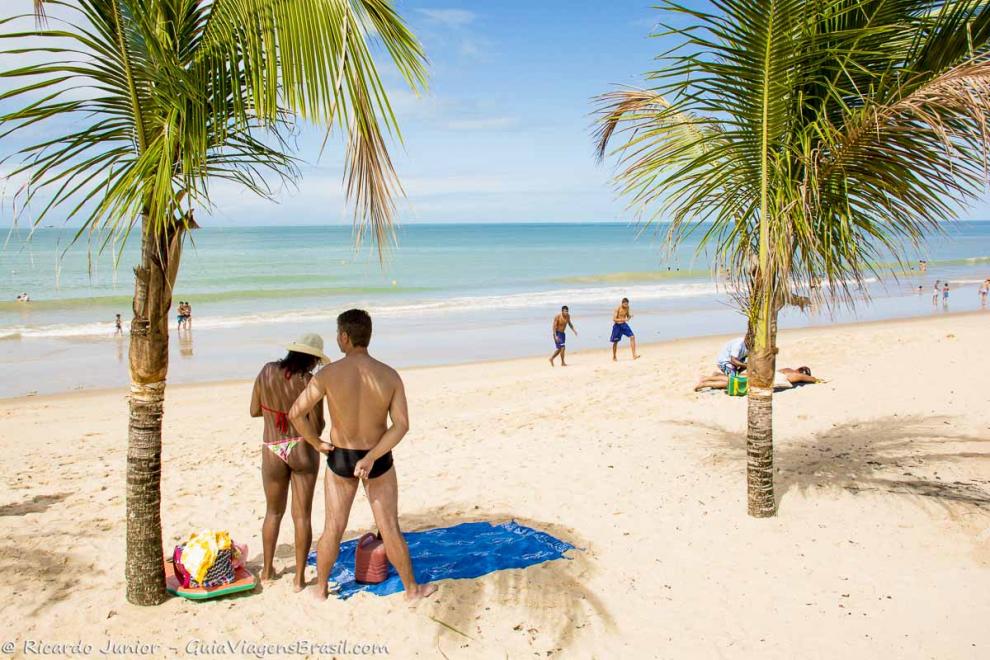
(899, 455)
(554, 595)
(37, 504)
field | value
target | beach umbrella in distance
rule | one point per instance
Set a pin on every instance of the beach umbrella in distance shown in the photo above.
(803, 140)
(142, 104)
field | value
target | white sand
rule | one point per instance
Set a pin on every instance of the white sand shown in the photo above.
(881, 547)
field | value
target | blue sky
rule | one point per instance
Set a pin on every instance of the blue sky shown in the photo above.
(503, 134)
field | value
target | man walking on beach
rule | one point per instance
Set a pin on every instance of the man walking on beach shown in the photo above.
(118, 327)
(362, 394)
(620, 329)
(559, 332)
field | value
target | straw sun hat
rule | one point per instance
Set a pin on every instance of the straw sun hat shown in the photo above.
(310, 344)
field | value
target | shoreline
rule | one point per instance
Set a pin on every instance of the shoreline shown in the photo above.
(671, 343)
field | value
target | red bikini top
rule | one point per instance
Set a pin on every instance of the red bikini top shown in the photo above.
(281, 418)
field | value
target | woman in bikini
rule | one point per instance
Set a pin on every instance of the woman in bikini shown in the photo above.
(286, 458)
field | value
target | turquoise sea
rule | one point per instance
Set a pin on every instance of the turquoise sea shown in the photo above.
(446, 293)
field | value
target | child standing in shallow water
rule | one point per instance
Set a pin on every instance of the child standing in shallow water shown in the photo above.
(945, 295)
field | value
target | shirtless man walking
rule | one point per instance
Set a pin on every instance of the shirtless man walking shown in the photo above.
(559, 330)
(362, 394)
(620, 328)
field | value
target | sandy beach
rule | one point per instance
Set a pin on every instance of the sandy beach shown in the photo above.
(881, 546)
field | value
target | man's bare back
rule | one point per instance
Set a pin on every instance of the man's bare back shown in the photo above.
(359, 391)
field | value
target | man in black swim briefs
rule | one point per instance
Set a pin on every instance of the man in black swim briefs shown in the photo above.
(362, 394)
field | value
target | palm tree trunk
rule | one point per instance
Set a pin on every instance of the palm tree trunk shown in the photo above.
(153, 283)
(762, 364)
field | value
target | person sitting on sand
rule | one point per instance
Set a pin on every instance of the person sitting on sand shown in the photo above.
(286, 458)
(620, 329)
(559, 331)
(783, 379)
(362, 394)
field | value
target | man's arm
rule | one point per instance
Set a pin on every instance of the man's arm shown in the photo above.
(736, 362)
(572, 326)
(299, 414)
(398, 412)
(256, 398)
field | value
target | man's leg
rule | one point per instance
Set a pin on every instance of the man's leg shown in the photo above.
(339, 496)
(562, 353)
(632, 343)
(615, 347)
(383, 493)
(555, 354)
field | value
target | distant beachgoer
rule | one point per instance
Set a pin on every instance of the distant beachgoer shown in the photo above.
(24, 297)
(118, 326)
(936, 291)
(731, 360)
(559, 331)
(286, 458)
(362, 394)
(984, 290)
(945, 294)
(923, 265)
(188, 315)
(180, 318)
(620, 329)
(784, 379)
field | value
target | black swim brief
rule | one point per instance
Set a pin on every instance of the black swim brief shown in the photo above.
(342, 462)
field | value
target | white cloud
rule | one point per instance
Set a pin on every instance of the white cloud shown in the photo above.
(452, 18)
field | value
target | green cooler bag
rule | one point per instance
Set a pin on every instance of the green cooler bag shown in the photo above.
(738, 386)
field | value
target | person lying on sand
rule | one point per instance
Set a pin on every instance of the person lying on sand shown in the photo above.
(784, 379)
(285, 458)
(362, 394)
(559, 331)
(620, 328)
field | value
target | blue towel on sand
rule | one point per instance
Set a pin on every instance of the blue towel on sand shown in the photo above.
(467, 550)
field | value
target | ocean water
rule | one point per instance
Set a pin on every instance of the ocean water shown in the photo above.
(446, 293)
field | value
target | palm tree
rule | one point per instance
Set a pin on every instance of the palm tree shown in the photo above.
(144, 103)
(804, 141)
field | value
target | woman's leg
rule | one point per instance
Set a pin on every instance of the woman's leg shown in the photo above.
(305, 464)
(275, 477)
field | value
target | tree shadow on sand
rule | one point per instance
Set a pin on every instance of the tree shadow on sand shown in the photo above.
(37, 578)
(37, 504)
(553, 594)
(898, 455)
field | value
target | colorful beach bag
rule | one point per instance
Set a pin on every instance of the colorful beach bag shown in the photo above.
(738, 385)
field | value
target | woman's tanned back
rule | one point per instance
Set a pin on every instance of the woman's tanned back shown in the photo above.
(359, 391)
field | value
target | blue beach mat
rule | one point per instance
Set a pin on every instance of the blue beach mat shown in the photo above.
(468, 550)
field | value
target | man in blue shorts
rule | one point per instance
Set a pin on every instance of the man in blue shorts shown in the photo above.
(620, 329)
(558, 330)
